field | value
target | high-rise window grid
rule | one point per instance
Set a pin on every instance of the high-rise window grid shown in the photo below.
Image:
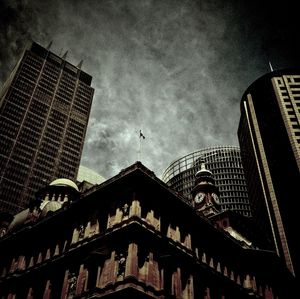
(44, 112)
(225, 164)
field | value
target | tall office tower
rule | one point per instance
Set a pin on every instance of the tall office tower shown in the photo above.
(44, 111)
(225, 164)
(269, 135)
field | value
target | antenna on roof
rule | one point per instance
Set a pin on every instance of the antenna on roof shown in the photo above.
(65, 55)
(271, 67)
(49, 46)
(141, 136)
(80, 64)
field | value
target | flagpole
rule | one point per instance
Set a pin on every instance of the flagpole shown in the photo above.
(141, 136)
(140, 147)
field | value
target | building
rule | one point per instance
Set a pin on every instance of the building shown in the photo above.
(44, 111)
(269, 136)
(120, 240)
(225, 164)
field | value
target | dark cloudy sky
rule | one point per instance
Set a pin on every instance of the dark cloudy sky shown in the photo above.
(176, 69)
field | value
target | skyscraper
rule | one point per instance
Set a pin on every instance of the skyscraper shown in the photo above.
(44, 111)
(269, 135)
(225, 164)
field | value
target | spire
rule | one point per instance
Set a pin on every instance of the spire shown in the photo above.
(49, 46)
(80, 64)
(65, 55)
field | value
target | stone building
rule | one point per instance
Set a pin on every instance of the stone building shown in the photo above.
(130, 237)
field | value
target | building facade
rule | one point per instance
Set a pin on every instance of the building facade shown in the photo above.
(225, 164)
(44, 111)
(119, 240)
(269, 136)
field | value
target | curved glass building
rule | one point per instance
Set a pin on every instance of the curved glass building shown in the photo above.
(225, 164)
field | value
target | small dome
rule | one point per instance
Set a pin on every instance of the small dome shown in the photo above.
(64, 182)
(19, 220)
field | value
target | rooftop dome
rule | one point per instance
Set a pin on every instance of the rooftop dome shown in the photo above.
(64, 182)
(89, 175)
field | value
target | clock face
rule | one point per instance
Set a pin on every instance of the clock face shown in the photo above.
(215, 197)
(199, 197)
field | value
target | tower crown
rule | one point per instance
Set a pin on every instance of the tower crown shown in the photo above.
(204, 176)
(205, 192)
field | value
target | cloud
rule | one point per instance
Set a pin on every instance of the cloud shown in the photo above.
(175, 69)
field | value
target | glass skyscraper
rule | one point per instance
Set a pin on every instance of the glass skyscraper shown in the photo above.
(44, 111)
(225, 164)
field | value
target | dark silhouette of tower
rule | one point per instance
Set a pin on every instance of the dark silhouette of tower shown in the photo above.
(269, 136)
(44, 111)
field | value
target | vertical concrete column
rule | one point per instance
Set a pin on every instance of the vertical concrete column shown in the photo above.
(131, 268)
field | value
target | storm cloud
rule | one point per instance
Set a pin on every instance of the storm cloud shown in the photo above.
(174, 69)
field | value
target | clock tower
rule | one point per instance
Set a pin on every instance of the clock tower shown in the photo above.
(205, 193)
